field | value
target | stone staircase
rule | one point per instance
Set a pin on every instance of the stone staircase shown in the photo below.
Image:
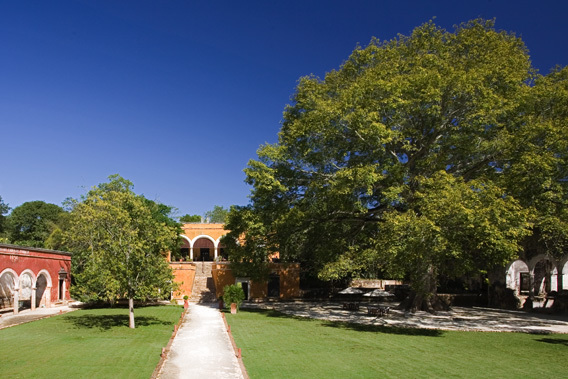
(203, 284)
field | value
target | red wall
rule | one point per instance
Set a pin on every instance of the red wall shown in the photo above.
(20, 259)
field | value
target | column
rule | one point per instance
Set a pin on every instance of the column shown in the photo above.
(33, 304)
(16, 300)
(48, 297)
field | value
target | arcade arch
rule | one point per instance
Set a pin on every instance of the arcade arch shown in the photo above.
(8, 288)
(43, 289)
(201, 248)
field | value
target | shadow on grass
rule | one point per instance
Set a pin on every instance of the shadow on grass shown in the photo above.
(555, 341)
(353, 326)
(384, 329)
(107, 322)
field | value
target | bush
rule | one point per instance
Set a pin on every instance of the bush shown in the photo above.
(233, 294)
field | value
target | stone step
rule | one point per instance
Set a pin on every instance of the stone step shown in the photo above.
(203, 285)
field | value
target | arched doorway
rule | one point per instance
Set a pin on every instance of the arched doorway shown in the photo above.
(544, 276)
(26, 288)
(203, 249)
(7, 288)
(518, 277)
(43, 290)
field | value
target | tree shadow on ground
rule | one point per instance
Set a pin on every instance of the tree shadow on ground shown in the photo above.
(107, 322)
(555, 341)
(354, 326)
(384, 329)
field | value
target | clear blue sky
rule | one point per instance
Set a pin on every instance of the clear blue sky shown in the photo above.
(177, 96)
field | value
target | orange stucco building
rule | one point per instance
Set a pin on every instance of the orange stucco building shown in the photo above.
(201, 269)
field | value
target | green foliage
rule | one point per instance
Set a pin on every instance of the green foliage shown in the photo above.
(233, 294)
(217, 215)
(4, 209)
(31, 223)
(119, 240)
(411, 160)
(190, 218)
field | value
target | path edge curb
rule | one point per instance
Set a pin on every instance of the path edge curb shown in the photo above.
(166, 350)
(235, 349)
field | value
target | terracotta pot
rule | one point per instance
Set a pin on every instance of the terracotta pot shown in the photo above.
(186, 304)
(233, 308)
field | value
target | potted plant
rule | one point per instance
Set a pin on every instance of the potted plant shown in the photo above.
(185, 302)
(233, 295)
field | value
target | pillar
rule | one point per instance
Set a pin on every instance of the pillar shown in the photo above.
(48, 297)
(191, 252)
(33, 304)
(16, 300)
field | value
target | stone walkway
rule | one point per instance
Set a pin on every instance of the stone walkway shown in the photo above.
(201, 348)
(27, 315)
(459, 318)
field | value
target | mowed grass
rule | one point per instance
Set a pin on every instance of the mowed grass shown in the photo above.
(279, 346)
(95, 343)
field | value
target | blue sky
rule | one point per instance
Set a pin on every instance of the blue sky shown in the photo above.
(177, 96)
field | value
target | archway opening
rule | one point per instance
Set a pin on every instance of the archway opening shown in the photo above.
(518, 277)
(41, 286)
(545, 277)
(7, 286)
(203, 250)
(26, 282)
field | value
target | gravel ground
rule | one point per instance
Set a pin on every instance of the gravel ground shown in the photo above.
(459, 318)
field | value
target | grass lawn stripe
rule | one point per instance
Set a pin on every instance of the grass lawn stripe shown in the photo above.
(277, 346)
(88, 344)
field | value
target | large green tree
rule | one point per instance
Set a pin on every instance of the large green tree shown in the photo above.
(119, 240)
(31, 223)
(402, 162)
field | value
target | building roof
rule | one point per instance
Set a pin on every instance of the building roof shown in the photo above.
(38, 249)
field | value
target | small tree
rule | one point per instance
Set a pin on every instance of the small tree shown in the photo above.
(233, 294)
(120, 239)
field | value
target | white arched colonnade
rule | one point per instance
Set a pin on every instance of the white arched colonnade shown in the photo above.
(216, 243)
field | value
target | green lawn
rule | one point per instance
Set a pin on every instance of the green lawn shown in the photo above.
(94, 343)
(279, 346)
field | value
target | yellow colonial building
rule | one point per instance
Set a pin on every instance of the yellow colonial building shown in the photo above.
(201, 269)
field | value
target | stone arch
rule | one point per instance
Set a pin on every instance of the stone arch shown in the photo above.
(186, 249)
(517, 276)
(27, 281)
(43, 289)
(205, 247)
(544, 274)
(9, 286)
(221, 248)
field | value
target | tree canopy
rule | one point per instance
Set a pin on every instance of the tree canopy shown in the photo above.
(217, 215)
(190, 218)
(434, 153)
(119, 240)
(31, 223)
(4, 209)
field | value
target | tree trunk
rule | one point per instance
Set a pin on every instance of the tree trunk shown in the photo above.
(131, 312)
(423, 296)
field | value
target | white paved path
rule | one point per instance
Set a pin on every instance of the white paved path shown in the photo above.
(201, 348)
